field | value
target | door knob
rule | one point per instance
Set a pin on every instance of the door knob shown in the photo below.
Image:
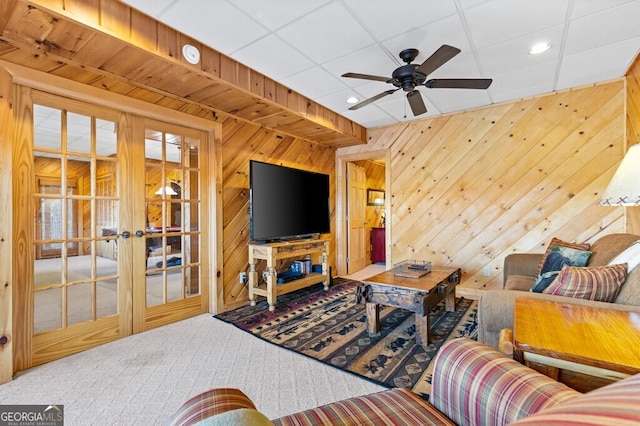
(125, 234)
(139, 233)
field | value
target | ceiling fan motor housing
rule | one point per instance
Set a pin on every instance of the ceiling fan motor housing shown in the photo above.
(407, 77)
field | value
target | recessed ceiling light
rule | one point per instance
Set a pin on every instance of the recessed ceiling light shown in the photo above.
(352, 100)
(539, 48)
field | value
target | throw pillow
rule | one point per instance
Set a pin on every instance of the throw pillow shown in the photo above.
(601, 283)
(558, 242)
(558, 257)
(630, 256)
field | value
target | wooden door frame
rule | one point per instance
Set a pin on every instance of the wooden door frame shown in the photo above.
(16, 82)
(341, 203)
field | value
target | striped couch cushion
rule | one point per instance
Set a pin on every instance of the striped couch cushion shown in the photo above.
(209, 404)
(614, 404)
(396, 406)
(600, 283)
(474, 384)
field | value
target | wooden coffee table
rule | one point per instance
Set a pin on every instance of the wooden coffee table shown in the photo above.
(573, 340)
(417, 295)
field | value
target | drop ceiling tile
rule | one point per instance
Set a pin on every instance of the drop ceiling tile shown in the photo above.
(314, 82)
(594, 65)
(514, 54)
(370, 117)
(273, 57)
(462, 65)
(217, 24)
(370, 60)
(274, 16)
(400, 110)
(449, 100)
(151, 8)
(602, 28)
(496, 21)
(327, 33)
(524, 82)
(386, 19)
(428, 38)
(583, 8)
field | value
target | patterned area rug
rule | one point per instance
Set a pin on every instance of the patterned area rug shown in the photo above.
(330, 327)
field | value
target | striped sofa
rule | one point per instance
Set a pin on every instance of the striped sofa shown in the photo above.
(472, 385)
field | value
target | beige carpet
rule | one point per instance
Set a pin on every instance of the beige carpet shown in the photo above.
(143, 379)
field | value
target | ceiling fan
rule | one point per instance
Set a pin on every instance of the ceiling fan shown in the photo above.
(408, 77)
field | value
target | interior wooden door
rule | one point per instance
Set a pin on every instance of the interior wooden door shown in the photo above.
(119, 250)
(73, 288)
(170, 230)
(356, 229)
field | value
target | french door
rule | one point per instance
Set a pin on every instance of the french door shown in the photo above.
(117, 235)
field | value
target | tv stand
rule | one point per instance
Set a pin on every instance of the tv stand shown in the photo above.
(272, 253)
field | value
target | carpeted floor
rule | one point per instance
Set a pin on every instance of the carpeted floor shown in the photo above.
(330, 327)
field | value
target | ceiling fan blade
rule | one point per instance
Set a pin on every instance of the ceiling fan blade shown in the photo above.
(366, 76)
(416, 102)
(373, 99)
(437, 59)
(458, 83)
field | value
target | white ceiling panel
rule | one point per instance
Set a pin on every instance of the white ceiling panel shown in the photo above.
(274, 15)
(386, 19)
(602, 28)
(597, 64)
(275, 57)
(496, 21)
(513, 54)
(326, 34)
(212, 23)
(325, 82)
(307, 45)
(428, 38)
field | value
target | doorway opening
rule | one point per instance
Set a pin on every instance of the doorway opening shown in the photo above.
(354, 238)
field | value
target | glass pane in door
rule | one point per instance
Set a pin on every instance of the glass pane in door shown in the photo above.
(171, 182)
(75, 203)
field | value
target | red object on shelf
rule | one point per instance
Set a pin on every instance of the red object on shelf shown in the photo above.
(377, 245)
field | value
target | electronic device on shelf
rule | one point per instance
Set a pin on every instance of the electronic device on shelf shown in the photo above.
(287, 203)
(289, 275)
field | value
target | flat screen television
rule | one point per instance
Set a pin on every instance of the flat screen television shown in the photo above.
(287, 203)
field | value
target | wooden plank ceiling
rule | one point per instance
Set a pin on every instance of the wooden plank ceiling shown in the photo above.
(109, 45)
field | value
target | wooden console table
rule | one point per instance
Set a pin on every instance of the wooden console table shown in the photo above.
(272, 253)
(572, 340)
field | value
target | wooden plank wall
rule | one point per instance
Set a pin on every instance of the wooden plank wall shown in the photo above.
(241, 142)
(633, 131)
(470, 188)
(6, 226)
(375, 173)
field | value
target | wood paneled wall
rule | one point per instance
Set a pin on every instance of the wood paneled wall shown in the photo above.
(469, 188)
(7, 245)
(633, 131)
(242, 142)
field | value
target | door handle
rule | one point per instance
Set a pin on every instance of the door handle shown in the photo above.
(125, 234)
(139, 233)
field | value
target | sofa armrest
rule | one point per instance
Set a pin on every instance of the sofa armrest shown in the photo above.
(521, 264)
(220, 404)
(473, 384)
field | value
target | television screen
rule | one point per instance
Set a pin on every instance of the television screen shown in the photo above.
(286, 202)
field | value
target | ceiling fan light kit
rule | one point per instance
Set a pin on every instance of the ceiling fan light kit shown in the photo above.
(409, 76)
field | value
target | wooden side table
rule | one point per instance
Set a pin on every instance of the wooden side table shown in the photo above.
(582, 346)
